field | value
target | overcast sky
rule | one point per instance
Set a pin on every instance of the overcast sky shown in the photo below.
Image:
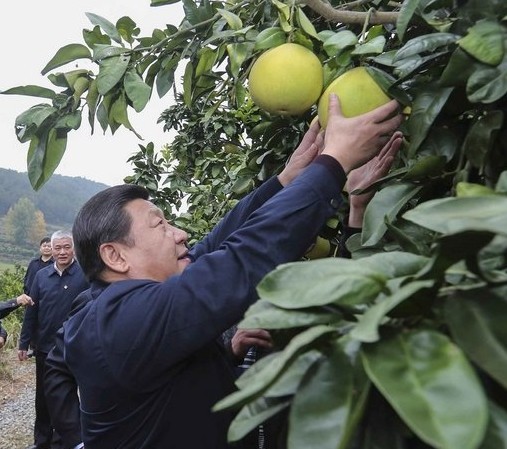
(31, 33)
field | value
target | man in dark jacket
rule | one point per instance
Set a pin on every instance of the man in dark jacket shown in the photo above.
(144, 350)
(53, 289)
(45, 259)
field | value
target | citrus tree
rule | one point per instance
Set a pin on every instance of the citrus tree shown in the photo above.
(404, 344)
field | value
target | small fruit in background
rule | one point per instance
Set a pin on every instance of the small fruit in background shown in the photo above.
(320, 249)
(358, 93)
(464, 189)
(286, 80)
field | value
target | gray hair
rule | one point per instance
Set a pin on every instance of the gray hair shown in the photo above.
(62, 235)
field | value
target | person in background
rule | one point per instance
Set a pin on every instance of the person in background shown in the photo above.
(53, 289)
(45, 259)
(145, 349)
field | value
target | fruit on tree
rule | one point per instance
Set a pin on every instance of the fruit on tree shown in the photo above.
(358, 93)
(320, 249)
(286, 80)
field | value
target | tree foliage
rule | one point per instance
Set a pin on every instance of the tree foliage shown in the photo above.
(24, 223)
(403, 345)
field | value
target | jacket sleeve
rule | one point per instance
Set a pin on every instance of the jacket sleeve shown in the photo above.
(29, 326)
(236, 217)
(7, 307)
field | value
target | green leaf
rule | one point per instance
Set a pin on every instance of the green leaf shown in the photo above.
(320, 282)
(238, 53)
(425, 167)
(187, 83)
(232, 19)
(425, 109)
(44, 156)
(394, 264)
(163, 2)
(269, 38)
(136, 89)
(118, 115)
(385, 205)
(455, 215)
(272, 371)
(339, 41)
(67, 54)
(432, 387)
(496, 434)
(481, 136)
(207, 58)
(27, 124)
(264, 315)
(477, 322)
(101, 51)
(275, 398)
(111, 72)
(488, 85)
(305, 23)
(323, 403)
(407, 10)
(372, 47)
(254, 414)
(106, 25)
(165, 76)
(485, 42)
(31, 91)
(423, 44)
(458, 69)
(367, 328)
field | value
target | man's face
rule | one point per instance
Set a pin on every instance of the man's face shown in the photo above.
(45, 249)
(63, 252)
(158, 249)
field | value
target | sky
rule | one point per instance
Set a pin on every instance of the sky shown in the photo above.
(31, 33)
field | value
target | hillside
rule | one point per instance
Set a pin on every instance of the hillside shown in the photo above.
(59, 200)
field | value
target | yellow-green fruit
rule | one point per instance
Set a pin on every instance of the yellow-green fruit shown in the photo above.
(358, 93)
(320, 249)
(471, 189)
(286, 80)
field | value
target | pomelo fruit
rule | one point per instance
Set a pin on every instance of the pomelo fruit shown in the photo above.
(320, 249)
(286, 80)
(358, 93)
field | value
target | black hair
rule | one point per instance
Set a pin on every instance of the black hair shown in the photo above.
(103, 219)
(45, 240)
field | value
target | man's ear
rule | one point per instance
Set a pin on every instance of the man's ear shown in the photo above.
(112, 255)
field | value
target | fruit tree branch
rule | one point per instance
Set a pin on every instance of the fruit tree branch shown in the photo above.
(334, 15)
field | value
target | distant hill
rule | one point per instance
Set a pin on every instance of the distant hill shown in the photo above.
(59, 199)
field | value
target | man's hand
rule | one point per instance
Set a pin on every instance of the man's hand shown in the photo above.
(24, 300)
(2, 342)
(304, 154)
(22, 355)
(244, 338)
(354, 141)
(366, 175)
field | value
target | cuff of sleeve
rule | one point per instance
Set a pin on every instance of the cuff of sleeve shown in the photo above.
(79, 446)
(332, 165)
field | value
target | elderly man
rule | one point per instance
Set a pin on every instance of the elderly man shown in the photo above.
(53, 289)
(145, 349)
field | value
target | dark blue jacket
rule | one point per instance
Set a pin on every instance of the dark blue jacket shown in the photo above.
(34, 266)
(146, 354)
(52, 295)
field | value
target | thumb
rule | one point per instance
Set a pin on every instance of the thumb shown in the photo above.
(334, 107)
